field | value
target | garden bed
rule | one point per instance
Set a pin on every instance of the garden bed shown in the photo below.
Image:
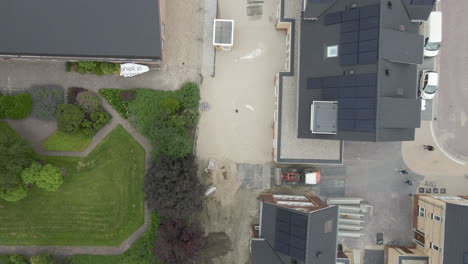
(60, 141)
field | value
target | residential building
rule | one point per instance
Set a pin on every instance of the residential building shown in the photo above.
(104, 30)
(351, 74)
(299, 229)
(440, 229)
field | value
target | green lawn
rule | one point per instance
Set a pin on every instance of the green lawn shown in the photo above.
(100, 202)
(139, 253)
(60, 141)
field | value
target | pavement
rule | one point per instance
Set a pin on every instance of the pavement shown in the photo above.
(450, 120)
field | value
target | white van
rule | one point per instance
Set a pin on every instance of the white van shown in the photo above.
(433, 34)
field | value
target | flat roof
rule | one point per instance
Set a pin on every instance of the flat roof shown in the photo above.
(84, 28)
(375, 70)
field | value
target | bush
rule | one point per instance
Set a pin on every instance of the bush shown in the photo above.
(96, 67)
(127, 95)
(69, 118)
(109, 68)
(172, 187)
(46, 99)
(72, 93)
(31, 173)
(18, 259)
(68, 66)
(100, 118)
(14, 195)
(89, 101)
(178, 243)
(170, 105)
(114, 98)
(42, 259)
(16, 106)
(49, 178)
(189, 95)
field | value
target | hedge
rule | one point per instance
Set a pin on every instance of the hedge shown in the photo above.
(16, 106)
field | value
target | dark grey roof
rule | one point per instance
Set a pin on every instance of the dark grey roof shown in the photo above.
(315, 8)
(456, 230)
(297, 235)
(263, 253)
(419, 10)
(84, 28)
(379, 48)
(374, 256)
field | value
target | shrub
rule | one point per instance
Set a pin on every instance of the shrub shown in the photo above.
(49, 178)
(100, 118)
(172, 187)
(42, 259)
(68, 66)
(86, 66)
(31, 173)
(109, 68)
(16, 106)
(18, 259)
(127, 95)
(69, 118)
(46, 99)
(14, 195)
(72, 93)
(170, 105)
(114, 98)
(89, 101)
(179, 243)
(189, 95)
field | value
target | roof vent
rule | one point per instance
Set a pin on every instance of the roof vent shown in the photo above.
(389, 4)
(387, 72)
(353, 5)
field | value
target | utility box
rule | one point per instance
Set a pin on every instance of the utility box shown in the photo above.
(223, 34)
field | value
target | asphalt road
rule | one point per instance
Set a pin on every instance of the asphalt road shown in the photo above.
(451, 114)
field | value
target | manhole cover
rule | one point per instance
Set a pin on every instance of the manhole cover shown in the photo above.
(204, 107)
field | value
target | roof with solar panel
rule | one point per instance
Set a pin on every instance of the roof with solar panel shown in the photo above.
(361, 57)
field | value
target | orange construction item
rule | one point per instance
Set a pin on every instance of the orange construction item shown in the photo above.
(291, 176)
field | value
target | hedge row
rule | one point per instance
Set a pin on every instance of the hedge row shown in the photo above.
(17, 106)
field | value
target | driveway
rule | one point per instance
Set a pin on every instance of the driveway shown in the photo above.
(181, 62)
(451, 109)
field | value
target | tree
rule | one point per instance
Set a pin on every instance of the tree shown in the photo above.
(49, 178)
(31, 173)
(41, 259)
(89, 101)
(18, 259)
(15, 155)
(178, 243)
(172, 187)
(69, 118)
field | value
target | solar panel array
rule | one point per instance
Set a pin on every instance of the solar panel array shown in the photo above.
(291, 234)
(356, 96)
(422, 2)
(359, 40)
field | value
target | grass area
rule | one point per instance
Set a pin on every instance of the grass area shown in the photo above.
(4, 259)
(99, 204)
(139, 253)
(61, 141)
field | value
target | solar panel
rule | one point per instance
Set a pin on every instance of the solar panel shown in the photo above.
(299, 220)
(365, 103)
(291, 234)
(322, 1)
(297, 253)
(298, 231)
(366, 91)
(281, 236)
(332, 18)
(346, 125)
(347, 80)
(369, 11)
(365, 125)
(298, 243)
(365, 113)
(366, 79)
(349, 59)
(350, 14)
(347, 92)
(283, 226)
(283, 215)
(368, 45)
(370, 22)
(368, 34)
(350, 26)
(349, 48)
(348, 114)
(330, 93)
(367, 57)
(282, 247)
(331, 81)
(347, 37)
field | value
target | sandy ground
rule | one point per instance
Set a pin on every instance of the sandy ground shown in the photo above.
(237, 128)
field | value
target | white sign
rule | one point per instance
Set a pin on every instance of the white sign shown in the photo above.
(132, 69)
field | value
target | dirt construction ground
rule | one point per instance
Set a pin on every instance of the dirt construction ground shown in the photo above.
(237, 128)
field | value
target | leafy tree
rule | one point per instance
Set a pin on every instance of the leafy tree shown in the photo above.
(69, 118)
(49, 178)
(89, 101)
(178, 243)
(14, 195)
(31, 173)
(42, 259)
(18, 259)
(172, 187)
(100, 118)
(15, 155)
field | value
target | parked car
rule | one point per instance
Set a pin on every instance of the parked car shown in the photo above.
(428, 83)
(433, 34)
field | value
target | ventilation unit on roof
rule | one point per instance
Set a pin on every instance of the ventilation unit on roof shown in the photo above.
(389, 4)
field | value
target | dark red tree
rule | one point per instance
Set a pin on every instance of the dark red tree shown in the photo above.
(178, 242)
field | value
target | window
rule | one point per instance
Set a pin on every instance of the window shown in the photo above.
(422, 212)
(328, 226)
(332, 51)
(434, 247)
(436, 217)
